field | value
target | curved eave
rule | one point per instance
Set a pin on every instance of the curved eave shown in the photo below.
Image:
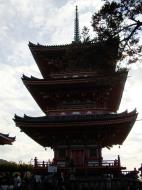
(39, 48)
(69, 120)
(39, 51)
(47, 47)
(97, 80)
(42, 87)
(34, 92)
(112, 131)
(51, 59)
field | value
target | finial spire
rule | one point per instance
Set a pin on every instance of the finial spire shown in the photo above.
(76, 27)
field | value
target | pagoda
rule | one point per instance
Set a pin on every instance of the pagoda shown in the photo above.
(80, 94)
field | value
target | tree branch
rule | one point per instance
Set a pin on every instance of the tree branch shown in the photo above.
(131, 34)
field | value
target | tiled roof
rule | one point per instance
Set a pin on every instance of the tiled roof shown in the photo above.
(5, 139)
(74, 117)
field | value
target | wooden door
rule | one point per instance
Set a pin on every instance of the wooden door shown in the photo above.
(78, 158)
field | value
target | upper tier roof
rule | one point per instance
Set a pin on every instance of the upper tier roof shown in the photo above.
(101, 129)
(75, 57)
(5, 139)
(49, 93)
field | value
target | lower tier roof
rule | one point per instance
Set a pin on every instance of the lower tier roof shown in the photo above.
(101, 129)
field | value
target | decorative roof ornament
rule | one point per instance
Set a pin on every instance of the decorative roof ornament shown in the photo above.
(76, 27)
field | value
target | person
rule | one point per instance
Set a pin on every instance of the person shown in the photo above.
(10, 181)
(27, 181)
(17, 182)
(37, 181)
(47, 181)
(4, 182)
(61, 181)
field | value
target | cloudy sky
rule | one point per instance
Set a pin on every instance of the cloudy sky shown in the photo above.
(49, 22)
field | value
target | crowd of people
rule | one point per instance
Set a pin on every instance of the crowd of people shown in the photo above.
(29, 181)
(58, 181)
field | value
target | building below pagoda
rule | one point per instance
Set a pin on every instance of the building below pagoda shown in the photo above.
(79, 94)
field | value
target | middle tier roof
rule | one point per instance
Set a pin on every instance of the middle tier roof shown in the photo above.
(77, 93)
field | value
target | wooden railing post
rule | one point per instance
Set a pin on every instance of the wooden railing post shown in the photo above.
(100, 161)
(140, 169)
(43, 164)
(119, 160)
(35, 161)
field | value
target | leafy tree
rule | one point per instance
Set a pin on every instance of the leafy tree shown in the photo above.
(13, 167)
(120, 22)
(117, 27)
(85, 34)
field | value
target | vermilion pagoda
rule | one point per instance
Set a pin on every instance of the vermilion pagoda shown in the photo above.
(80, 94)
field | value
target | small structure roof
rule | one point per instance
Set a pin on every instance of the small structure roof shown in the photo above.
(5, 139)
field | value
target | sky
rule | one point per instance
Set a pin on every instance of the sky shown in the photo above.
(50, 22)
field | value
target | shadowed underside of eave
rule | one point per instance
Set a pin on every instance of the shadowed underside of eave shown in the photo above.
(50, 133)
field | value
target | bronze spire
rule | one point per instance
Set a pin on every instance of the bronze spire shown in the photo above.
(76, 27)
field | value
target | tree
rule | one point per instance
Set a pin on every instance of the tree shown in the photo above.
(85, 34)
(120, 22)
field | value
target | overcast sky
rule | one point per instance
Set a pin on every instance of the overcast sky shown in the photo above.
(49, 22)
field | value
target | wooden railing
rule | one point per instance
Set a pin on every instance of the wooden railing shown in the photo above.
(108, 181)
(89, 164)
(42, 164)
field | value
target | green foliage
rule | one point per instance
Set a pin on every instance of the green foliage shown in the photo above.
(120, 20)
(12, 167)
(92, 56)
(117, 27)
(85, 34)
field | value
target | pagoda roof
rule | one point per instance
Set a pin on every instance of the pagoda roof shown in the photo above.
(40, 89)
(100, 127)
(75, 117)
(74, 57)
(47, 47)
(5, 139)
(43, 53)
(85, 77)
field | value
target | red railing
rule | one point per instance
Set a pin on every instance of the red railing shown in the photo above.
(105, 165)
(89, 164)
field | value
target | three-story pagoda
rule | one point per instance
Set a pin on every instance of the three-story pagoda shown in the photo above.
(80, 93)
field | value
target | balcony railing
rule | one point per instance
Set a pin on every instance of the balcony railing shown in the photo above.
(111, 176)
(90, 164)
